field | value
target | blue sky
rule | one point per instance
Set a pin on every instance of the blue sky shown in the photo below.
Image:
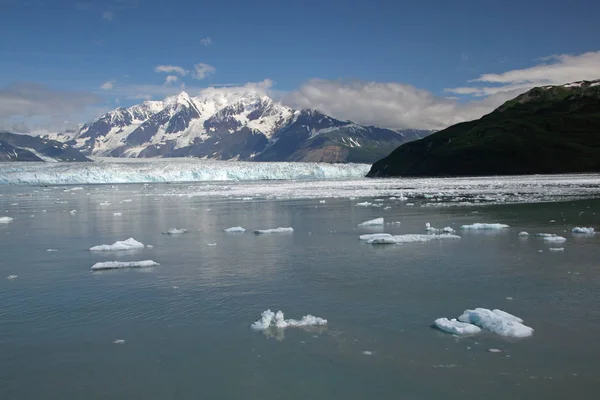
(108, 52)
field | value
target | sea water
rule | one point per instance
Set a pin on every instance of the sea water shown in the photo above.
(181, 330)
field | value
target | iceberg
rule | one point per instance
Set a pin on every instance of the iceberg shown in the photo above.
(6, 220)
(587, 231)
(478, 226)
(175, 231)
(274, 230)
(123, 264)
(129, 244)
(456, 327)
(409, 238)
(554, 239)
(497, 321)
(179, 170)
(270, 319)
(373, 222)
(237, 229)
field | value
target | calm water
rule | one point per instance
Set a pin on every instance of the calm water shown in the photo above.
(186, 323)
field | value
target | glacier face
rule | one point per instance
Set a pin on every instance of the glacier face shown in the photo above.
(172, 170)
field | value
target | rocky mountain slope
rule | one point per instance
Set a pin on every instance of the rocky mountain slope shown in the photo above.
(549, 129)
(15, 147)
(243, 125)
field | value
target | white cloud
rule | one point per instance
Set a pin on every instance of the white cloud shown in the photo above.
(107, 85)
(206, 41)
(171, 69)
(171, 79)
(202, 70)
(108, 15)
(554, 70)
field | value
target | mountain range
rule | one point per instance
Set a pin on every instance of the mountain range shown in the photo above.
(15, 147)
(548, 129)
(243, 125)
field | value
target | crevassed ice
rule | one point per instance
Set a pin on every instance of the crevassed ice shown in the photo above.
(123, 264)
(497, 321)
(274, 230)
(484, 226)
(456, 327)
(372, 222)
(270, 319)
(129, 244)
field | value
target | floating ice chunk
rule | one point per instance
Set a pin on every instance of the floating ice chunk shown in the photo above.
(588, 231)
(51, 250)
(456, 327)
(119, 341)
(495, 350)
(322, 202)
(364, 204)
(367, 353)
(410, 238)
(409, 204)
(556, 249)
(370, 236)
(127, 200)
(11, 277)
(496, 322)
(545, 234)
(523, 234)
(128, 244)
(6, 220)
(269, 319)
(73, 212)
(123, 264)
(211, 244)
(430, 228)
(105, 203)
(175, 231)
(372, 222)
(117, 214)
(554, 239)
(237, 229)
(484, 226)
(274, 230)
(149, 246)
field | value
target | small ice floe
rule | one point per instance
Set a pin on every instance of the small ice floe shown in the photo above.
(497, 321)
(364, 204)
(395, 223)
(554, 239)
(211, 244)
(495, 350)
(585, 231)
(556, 249)
(409, 204)
(51, 250)
(523, 234)
(373, 222)
(367, 353)
(129, 244)
(73, 212)
(430, 228)
(126, 200)
(274, 230)
(175, 231)
(235, 229)
(6, 220)
(149, 246)
(481, 226)
(408, 238)
(11, 277)
(119, 341)
(322, 202)
(370, 236)
(117, 214)
(270, 319)
(105, 203)
(123, 264)
(456, 327)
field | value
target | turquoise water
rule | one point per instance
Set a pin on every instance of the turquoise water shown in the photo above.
(186, 323)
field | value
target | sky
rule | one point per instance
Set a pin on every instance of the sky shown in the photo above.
(396, 64)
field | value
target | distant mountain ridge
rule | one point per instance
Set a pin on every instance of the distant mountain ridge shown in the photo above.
(548, 129)
(243, 125)
(14, 147)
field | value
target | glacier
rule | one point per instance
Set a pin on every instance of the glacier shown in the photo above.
(172, 170)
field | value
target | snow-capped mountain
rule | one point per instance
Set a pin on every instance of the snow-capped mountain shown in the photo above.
(14, 147)
(225, 125)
